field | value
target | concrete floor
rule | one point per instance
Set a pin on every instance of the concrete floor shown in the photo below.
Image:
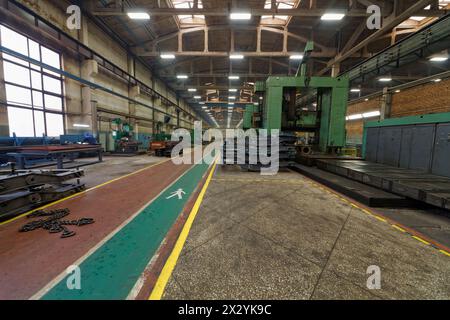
(282, 237)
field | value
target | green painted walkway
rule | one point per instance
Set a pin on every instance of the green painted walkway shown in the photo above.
(112, 271)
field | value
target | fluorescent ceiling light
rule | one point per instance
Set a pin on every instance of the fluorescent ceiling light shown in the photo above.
(202, 103)
(333, 16)
(398, 91)
(260, 98)
(205, 108)
(438, 59)
(139, 15)
(236, 56)
(355, 90)
(256, 104)
(233, 77)
(240, 16)
(366, 99)
(437, 80)
(78, 125)
(197, 97)
(233, 90)
(182, 76)
(355, 117)
(416, 18)
(167, 56)
(296, 57)
(192, 90)
(231, 103)
(232, 98)
(385, 79)
(371, 114)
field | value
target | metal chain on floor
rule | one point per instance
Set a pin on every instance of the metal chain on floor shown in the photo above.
(54, 223)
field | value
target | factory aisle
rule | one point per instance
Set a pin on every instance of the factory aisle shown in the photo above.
(113, 252)
(285, 237)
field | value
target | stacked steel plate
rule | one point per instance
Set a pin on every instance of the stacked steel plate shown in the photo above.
(24, 190)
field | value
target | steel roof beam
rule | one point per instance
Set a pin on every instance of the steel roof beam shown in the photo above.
(220, 12)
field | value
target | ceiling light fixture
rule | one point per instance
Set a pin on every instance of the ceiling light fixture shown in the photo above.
(355, 90)
(192, 90)
(233, 77)
(240, 16)
(138, 15)
(355, 117)
(385, 79)
(371, 114)
(236, 56)
(232, 90)
(296, 57)
(182, 76)
(167, 56)
(333, 16)
(438, 59)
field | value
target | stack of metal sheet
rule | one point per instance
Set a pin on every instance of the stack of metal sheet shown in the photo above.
(234, 154)
(23, 190)
(415, 184)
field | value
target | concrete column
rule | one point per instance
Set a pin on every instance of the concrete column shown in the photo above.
(133, 93)
(84, 32)
(4, 121)
(386, 104)
(335, 70)
(89, 70)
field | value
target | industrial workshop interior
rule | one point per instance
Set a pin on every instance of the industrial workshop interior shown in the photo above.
(198, 151)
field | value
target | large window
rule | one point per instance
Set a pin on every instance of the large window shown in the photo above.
(277, 19)
(34, 95)
(189, 19)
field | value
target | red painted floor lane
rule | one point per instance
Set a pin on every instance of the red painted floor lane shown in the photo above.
(29, 261)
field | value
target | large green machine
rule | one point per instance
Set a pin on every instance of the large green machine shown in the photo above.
(123, 135)
(281, 108)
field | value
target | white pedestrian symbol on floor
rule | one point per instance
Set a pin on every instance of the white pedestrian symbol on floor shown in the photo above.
(178, 193)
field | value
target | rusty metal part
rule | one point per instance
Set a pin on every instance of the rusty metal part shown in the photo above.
(54, 224)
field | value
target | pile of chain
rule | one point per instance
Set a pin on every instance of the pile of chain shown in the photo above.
(54, 223)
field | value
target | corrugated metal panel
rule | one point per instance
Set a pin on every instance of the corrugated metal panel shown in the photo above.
(441, 157)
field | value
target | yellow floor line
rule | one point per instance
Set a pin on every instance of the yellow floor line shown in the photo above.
(171, 262)
(378, 217)
(399, 229)
(83, 192)
(421, 240)
(381, 219)
(445, 252)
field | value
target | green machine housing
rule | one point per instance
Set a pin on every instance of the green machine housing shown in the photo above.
(279, 109)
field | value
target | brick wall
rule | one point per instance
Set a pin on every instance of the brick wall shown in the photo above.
(424, 99)
(355, 127)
